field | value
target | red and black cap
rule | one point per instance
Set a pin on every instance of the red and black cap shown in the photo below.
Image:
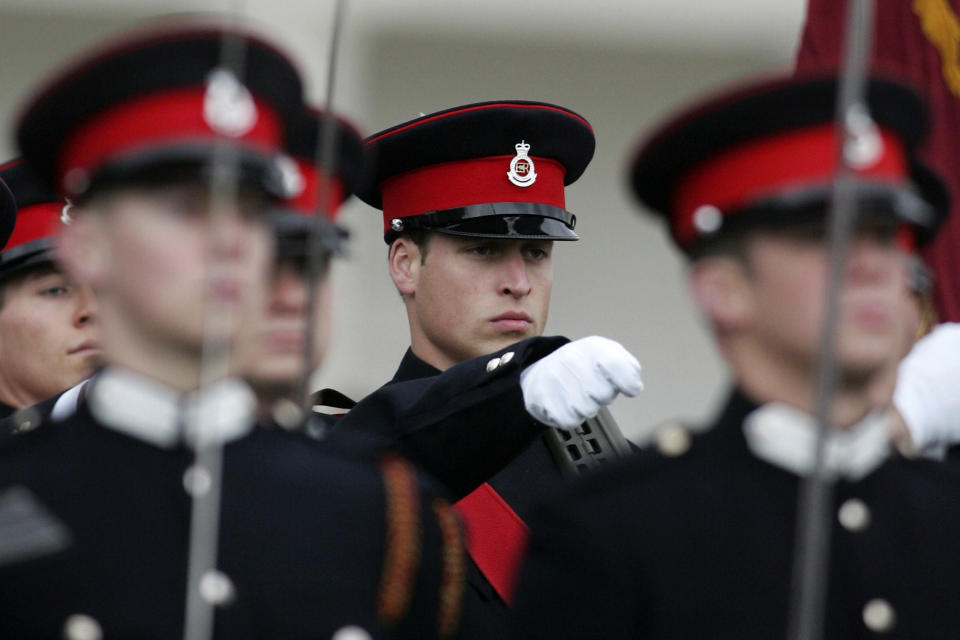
(33, 214)
(765, 154)
(309, 182)
(492, 169)
(161, 98)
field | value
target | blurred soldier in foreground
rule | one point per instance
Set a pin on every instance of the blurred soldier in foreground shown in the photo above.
(48, 329)
(95, 514)
(473, 200)
(696, 539)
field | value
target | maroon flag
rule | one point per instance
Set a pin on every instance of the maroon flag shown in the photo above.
(919, 42)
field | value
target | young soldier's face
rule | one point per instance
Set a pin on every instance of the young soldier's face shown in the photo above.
(787, 279)
(271, 353)
(48, 336)
(170, 272)
(473, 296)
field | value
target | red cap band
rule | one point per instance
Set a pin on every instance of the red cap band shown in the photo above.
(161, 119)
(307, 203)
(462, 183)
(34, 222)
(764, 167)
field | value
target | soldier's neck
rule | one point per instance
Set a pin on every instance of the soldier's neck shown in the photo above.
(766, 380)
(429, 353)
(15, 397)
(177, 365)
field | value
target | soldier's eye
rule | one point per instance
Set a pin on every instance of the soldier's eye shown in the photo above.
(183, 202)
(480, 250)
(536, 253)
(59, 290)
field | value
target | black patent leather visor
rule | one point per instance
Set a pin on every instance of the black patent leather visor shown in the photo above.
(520, 220)
(28, 255)
(292, 232)
(807, 211)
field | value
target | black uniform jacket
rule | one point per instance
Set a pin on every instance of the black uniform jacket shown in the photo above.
(311, 540)
(470, 427)
(700, 545)
(465, 424)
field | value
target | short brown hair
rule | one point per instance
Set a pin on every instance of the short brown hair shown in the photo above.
(420, 237)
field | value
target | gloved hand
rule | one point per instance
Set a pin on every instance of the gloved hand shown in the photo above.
(927, 394)
(571, 384)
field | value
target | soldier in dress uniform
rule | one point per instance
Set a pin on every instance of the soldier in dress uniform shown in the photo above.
(272, 355)
(695, 539)
(48, 330)
(473, 201)
(94, 514)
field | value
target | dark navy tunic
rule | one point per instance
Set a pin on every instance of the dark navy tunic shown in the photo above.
(311, 539)
(476, 430)
(700, 545)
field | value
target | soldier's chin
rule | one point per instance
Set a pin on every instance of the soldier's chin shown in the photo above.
(502, 341)
(859, 371)
(90, 362)
(278, 374)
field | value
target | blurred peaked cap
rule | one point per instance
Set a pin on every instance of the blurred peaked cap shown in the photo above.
(162, 97)
(305, 146)
(34, 217)
(294, 223)
(765, 151)
(491, 169)
(297, 235)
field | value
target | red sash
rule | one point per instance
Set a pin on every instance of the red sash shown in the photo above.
(496, 537)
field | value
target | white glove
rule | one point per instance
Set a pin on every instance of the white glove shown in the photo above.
(927, 394)
(571, 384)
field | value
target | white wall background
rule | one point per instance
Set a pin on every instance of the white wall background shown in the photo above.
(622, 65)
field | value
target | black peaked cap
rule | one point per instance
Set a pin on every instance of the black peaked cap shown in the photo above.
(147, 63)
(480, 130)
(765, 108)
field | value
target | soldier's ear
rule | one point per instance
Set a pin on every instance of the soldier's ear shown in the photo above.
(721, 289)
(81, 249)
(404, 263)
